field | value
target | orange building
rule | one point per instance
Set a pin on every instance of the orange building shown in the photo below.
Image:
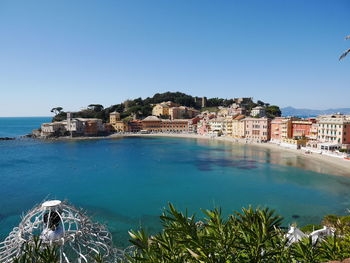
(302, 128)
(91, 128)
(152, 124)
(135, 126)
(174, 125)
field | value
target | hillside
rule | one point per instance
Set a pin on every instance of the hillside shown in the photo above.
(142, 108)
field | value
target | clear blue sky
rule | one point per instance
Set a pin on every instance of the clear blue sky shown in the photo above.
(74, 53)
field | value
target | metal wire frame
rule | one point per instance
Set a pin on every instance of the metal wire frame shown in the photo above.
(81, 240)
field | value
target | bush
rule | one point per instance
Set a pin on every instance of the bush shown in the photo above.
(310, 228)
(253, 235)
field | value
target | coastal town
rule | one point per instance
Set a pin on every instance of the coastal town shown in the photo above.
(328, 134)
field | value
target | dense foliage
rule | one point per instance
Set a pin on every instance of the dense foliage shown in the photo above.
(252, 235)
(36, 252)
(143, 107)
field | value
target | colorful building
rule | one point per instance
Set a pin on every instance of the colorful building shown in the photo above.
(193, 124)
(162, 109)
(182, 112)
(293, 143)
(302, 128)
(114, 117)
(135, 126)
(257, 129)
(174, 126)
(281, 128)
(53, 128)
(120, 126)
(93, 127)
(258, 112)
(217, 126)
(74, 127)
(334, 128)
(228, 127)
(235, 109)
(152, 124)
(238, 127)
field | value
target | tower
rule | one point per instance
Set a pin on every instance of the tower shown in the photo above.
(69, 123)
(204, 102)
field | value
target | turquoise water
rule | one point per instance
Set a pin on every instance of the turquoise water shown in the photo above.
(126, 183)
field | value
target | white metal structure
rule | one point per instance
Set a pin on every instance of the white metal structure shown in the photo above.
(295, 234)
(57, 223)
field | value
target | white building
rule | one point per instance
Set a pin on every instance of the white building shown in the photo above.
(49, 129)
(334, 129)
(258, 112)
(219, 126)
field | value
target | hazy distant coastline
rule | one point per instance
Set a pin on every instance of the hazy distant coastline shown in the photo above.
(291, 111)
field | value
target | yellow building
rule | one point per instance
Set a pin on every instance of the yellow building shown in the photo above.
(162, 109)
(182, 112)
(120, 126)
(223, 112)
(114, 117)
(116, 123)
(293, 143)
(228, 126)
(238, 127)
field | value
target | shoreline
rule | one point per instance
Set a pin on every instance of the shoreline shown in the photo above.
(341, 166)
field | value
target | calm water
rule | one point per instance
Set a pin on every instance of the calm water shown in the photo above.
(13, 127)
(126, 182)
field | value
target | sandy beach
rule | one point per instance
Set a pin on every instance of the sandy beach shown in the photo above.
(336, 166)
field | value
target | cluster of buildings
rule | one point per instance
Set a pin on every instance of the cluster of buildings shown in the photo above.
(329, 132)
(151, 124)
(173, 111)
(73, 127)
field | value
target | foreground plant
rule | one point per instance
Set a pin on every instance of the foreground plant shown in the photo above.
(35, 252)
(252, 235)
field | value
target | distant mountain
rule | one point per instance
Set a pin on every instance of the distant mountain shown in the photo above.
(290, 111)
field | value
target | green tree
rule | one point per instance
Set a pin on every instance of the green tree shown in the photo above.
(57, 110)
(95, 107)
(273, 111)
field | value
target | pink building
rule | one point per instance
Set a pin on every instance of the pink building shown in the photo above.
(192, 124)
(203, 127)
(276, 129)
(257, 129)
(281, 128)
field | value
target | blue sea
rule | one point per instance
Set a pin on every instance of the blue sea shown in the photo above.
(126, 183)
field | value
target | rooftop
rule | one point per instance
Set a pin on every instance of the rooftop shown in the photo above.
(151, 118)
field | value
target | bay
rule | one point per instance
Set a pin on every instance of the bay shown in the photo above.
(126, 183)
